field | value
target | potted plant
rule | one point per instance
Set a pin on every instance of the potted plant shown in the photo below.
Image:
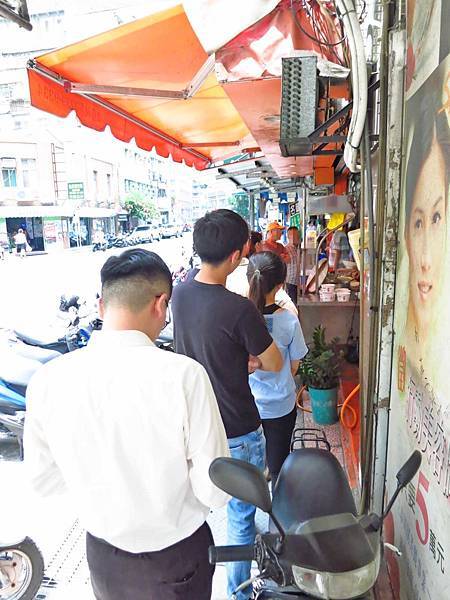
(320, 370)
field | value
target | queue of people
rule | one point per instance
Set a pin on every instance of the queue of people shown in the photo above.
(133, 441)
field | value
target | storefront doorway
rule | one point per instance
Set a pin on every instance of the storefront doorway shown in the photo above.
(32, 227)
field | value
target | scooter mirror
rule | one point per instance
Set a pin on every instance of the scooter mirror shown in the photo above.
(409, 469)
(404, 476)
(241, 480)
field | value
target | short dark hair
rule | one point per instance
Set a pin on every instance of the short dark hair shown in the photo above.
(218, 234)
(133, 278)
(256, 237)
(292, 227)
(265, 271)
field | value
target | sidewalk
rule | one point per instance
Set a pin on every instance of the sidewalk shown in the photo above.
(54, 527)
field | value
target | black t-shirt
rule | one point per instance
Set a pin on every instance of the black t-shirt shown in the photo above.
(219, 329)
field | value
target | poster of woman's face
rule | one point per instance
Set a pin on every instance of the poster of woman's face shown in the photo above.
(423, 35)
(426, 193)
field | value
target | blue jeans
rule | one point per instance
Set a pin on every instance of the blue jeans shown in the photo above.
(241, 516)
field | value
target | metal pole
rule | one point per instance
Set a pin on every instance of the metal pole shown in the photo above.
(305, 189)
(252, 210)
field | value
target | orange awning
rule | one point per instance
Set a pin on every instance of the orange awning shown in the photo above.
(149, 80)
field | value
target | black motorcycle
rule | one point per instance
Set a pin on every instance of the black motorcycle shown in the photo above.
(318, 546)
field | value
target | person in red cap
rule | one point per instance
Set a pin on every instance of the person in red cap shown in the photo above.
(272, 243)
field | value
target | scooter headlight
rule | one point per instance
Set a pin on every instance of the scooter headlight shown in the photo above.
(337, 586)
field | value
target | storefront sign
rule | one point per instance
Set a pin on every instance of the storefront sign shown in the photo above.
(420, 401)
(75, 191)
(53, 233)
(293, 209)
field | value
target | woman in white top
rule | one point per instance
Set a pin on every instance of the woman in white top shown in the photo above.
(237, 282)
(20, 239)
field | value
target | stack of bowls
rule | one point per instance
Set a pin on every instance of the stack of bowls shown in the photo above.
(327, 292)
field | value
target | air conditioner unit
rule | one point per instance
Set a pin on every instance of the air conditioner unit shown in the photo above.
(8, 163)
(299, 99)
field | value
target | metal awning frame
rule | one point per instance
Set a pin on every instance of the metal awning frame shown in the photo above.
(135, 92)
(43, 71)
(21, 17)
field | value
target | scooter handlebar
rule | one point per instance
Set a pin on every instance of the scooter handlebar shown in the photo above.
(219, 554)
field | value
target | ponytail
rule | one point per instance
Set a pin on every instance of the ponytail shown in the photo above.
(257, 293)
(265, 271)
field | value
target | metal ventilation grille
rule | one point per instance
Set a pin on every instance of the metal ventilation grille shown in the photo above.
(299, 91)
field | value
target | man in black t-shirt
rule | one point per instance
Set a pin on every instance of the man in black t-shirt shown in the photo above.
(222, 331)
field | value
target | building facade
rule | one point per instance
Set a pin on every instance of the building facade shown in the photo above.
(60, 181)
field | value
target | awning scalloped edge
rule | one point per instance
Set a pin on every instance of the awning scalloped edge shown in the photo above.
(48, 94)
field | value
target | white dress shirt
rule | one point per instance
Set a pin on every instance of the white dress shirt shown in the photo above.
(237, 282)
(130, 431)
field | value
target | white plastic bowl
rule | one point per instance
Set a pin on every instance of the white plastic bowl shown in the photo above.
(343, 295)
(326, 296)
(328, 287)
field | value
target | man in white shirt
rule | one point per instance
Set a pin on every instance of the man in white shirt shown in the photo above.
(130, 431)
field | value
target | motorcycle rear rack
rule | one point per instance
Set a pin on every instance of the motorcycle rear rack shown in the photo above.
(307, 437)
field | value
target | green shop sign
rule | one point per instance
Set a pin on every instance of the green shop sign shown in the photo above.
(75, 191)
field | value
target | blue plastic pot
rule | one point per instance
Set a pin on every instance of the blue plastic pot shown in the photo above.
(324, 405)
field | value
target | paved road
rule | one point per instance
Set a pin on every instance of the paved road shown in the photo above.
(30, 288)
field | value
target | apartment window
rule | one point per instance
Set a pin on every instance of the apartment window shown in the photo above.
(9, 177)
(108, 183)
(6, 90)
(95, 177)
(29, 172)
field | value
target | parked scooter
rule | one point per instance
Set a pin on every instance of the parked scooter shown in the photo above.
(75, 332)
(18, 363)
(21, 562)
(97, 246)
(318, 546)
(21, 569)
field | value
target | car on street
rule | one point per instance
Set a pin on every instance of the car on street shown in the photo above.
(156, 232)
(142, 234)
(171, 230)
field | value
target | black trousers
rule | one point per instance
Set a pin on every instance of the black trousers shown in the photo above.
(291, 289)
(278, 434)
(181, 571)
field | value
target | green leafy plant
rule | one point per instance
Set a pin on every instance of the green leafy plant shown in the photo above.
(141, 207)
(240, 204)
(321, 367)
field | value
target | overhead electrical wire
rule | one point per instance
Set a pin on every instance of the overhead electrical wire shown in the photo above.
(311, 37)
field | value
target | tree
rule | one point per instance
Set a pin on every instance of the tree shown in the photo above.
(140, 207)
(240, 204)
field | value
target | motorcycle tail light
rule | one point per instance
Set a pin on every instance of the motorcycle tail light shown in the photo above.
(337, 586)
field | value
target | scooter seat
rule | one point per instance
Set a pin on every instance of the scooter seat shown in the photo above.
(37, 338)
(43, 355)
(17, 370)
(311, 484)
